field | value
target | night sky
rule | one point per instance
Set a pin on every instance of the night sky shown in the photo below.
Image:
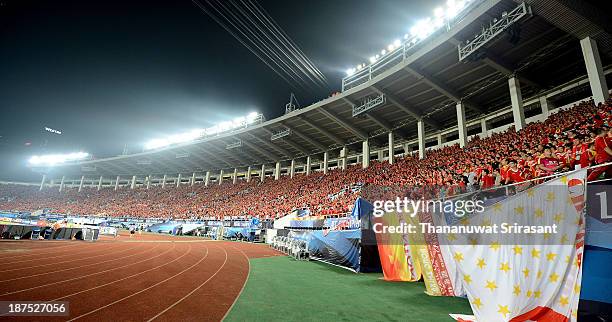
(113, 73)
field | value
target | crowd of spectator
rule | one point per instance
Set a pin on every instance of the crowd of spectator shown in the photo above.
(578, 137)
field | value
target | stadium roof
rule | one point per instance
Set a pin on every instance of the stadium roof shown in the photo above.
(426, 84)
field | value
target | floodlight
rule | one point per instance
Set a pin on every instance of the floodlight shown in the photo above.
(397, 43)
(439, 12)
(350, 71)
(372, 59)
(54, 159)
(383, 52)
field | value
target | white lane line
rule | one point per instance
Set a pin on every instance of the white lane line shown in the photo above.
(143, 290)
(80, 277)
(43, 254)
(193, 291)
(77, 267)
(243, 285)
(115, 281)
(54, 263)
(43, 248)
(122, 279)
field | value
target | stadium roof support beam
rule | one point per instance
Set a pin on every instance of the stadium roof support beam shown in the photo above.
(502, 66)
(460, 125)
(213, 156)
(336, 118)
(239, 156)
(291, 143)
(261, 151)
(421, 138)
(506, 69)
(307, 138)
(272, 145)
(416, 114)
(365, 152)
(223, 154)
(382, 123)
(597, 78)
(190, 161)
(439, 86)
(322, 130)
(518, 113)
(391, 148)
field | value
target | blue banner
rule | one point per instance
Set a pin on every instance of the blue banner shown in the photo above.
(338, 247)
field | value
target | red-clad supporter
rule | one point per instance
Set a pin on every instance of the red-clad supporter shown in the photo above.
(568, 139)
(603, 153)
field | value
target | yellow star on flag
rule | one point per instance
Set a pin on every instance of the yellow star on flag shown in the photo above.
(526, 272)
(491, 285)
(539, 213)
(528, 294)
(451, 237)
(576, 288)
(477, 302)
(467, 278)
(505, 267)
(473, 241)
(517, 250)
(530, 192)
(564, 300)
(503, 309)
(553, 277)
(481, 263)
(519, 210)
(517, 290)
(564, 179)
(497, 207)
(539, 274)
(494, 245)
(564, 239)
(537, 294)
(567, 259)
(550, 196)
(464, 221)
(486, 222)
(558, 217)
(458, 256)
(551, 256)
(535, 253)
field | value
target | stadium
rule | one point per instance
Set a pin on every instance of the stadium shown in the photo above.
(497, 111)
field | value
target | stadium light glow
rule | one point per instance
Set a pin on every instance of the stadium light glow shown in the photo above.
(239, 122)
(421, 30)
(55, 159)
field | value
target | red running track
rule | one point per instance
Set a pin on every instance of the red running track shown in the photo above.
(145, 278)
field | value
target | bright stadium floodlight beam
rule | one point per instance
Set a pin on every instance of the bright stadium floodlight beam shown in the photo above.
(397, 43)
(439, 12)
(372, 59)
(55, 159)
(239, 122)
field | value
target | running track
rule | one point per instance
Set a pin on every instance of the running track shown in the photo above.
(146, 278)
